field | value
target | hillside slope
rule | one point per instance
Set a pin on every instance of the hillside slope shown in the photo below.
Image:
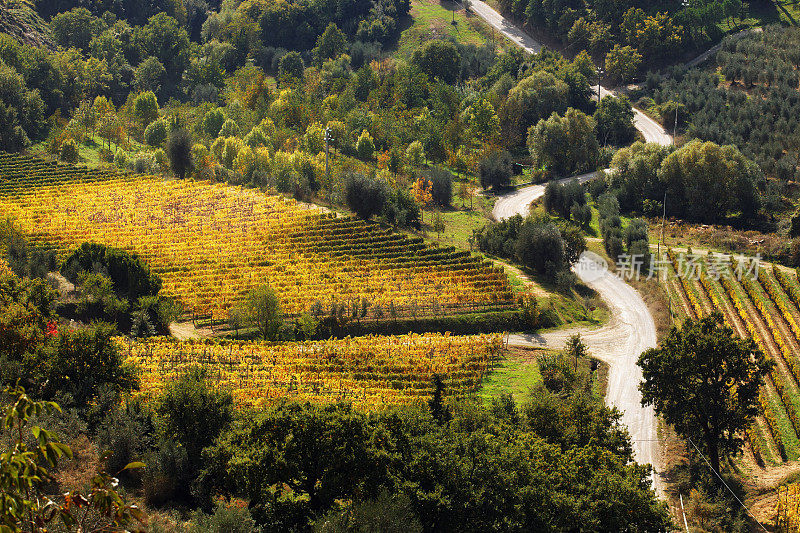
(19, 19)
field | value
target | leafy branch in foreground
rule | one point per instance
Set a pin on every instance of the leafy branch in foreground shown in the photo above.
(25, 472)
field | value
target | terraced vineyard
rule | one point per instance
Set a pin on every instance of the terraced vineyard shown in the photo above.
(370, 372)
(210, 243)
(765, 306)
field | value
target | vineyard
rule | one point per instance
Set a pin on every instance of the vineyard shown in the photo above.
(210, 243)
(369, 372)
(788, 509)
(764, 304)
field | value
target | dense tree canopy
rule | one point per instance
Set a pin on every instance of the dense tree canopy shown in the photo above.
(564, 146)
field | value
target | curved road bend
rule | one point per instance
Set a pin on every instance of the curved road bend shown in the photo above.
(631, 329)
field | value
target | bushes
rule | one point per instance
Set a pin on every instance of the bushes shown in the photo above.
(561, 199)
(156, 133)
(364, 196)
(563, 146)
(495, 170)
(441, 181)
(69, 151)
(535, 242)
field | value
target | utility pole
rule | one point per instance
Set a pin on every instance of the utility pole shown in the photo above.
(328, 139)
(675, 129)
(599, 79)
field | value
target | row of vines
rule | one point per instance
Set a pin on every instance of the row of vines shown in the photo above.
(211, 243)
(764, 304)
(369, 372)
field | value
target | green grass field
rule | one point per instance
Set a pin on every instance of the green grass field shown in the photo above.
(515, 374)
(431, 19)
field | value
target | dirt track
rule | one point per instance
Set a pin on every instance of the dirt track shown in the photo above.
(619, 343)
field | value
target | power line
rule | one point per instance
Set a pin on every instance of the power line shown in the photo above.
(726, 485)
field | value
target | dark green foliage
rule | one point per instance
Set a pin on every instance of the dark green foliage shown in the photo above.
(364, 196)
(540, 248)
(441, 181)
(438, 59)
(474, 473)
(614, 118)
(704, 380)
(495, 170)
(330, 45)
(439, 411)
(76, 28)
(128, 432)
(23, 259)
(194, 412)
(156, 133)
(131, 276)
(560, 198)
(21, 110)
(291, 66)
(82, 363)
(179, 152)
(402, 210)
(535, 242)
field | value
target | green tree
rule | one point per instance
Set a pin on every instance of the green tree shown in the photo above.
(163, 38)
(564, 145)
(705, 382)
(290, 67)
(131, 276)
(495, 170)
(482, 121)
(179, 152)
(540, 247)
(149, 75)
(534, 98)
(83, 363)
(438, 59)
(622, 62)
(75, 28)
(69, 151)
(710, 182)
(195, 412)
(212, 122)
(145, 108)
(365, 147)
(330, 45)
(614, 118)
(262, 310)
(364, 196)
(155, 134)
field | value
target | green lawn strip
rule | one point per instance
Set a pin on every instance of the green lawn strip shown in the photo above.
(791, 443)
(514, 374)
(757, 434)
(433, 20)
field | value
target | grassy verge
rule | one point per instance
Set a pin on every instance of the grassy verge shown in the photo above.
(516, 373)
(431, 19)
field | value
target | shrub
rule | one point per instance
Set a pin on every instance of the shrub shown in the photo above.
(156, 133)
(495, 170)
(441, 186)
(69, 151)
(212, 122)
(364, 196)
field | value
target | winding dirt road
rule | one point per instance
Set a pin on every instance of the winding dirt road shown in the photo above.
(629, 332)
(631, 329)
